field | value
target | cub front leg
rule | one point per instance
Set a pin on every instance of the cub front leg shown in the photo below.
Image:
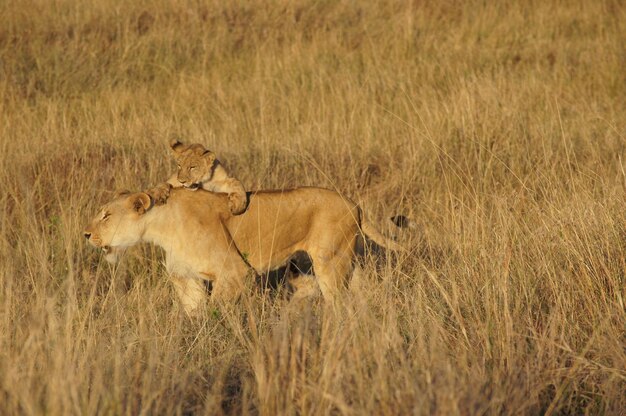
(237, 197)
(237, 203)
(222, 182)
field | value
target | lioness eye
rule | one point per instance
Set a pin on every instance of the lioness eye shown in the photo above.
(178, 166)
(105, 216)
(193, 168)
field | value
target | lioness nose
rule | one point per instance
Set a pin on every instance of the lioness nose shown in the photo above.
(87, 235)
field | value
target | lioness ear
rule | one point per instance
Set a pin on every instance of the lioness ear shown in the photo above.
(142, 203)
(176, 146)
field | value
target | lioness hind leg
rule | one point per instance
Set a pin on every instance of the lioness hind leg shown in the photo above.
(332, 273)
(303, 287)
(190, 291)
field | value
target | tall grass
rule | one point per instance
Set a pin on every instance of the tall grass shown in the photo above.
(498, 127)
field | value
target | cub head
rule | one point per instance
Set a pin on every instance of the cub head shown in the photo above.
(118, 224)
(195, 164)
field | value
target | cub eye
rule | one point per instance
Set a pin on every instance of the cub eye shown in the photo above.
(193, 167)
(106, 216)
(178, 167)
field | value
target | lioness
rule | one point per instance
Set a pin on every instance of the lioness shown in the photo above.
(199, 168)
(203, 241)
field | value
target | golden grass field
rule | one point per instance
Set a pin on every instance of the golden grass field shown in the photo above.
(499, 128)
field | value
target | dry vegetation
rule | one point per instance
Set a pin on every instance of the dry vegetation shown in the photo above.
(499, 129)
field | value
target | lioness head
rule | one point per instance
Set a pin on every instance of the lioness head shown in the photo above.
(195, 164)
(118, 224)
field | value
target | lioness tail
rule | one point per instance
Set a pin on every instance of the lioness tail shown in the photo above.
(373, 234)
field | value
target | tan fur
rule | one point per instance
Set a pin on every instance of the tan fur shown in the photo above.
(199, 168)
(204, 241)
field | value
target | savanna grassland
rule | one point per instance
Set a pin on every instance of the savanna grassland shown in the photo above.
(498, 128)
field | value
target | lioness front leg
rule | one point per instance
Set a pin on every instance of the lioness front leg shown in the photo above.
(191, 292)
(230, 284)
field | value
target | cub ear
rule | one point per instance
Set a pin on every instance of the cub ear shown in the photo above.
(208, 155)
(176, 145)
(141, 203)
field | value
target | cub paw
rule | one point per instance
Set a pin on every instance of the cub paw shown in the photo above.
(160, 193)
(237, 203)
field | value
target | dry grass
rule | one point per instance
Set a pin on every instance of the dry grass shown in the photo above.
(499, 128)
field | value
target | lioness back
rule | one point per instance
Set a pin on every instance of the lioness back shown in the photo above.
(278, 223)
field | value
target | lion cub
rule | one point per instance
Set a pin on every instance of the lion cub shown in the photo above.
(199, 168)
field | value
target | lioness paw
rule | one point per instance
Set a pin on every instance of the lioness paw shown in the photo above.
(160, 193)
